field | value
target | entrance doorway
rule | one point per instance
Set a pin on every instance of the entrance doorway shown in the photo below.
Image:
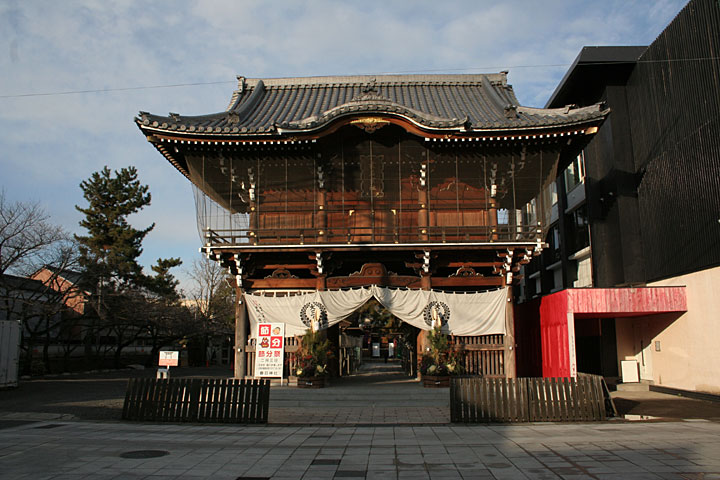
(595, 346)
(373, 336)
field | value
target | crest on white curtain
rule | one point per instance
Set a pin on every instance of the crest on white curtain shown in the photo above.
(314, 315)
(436, 314)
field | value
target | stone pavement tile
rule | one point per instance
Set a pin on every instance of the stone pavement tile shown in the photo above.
(412, 475)
(332, 456)
(319, 475)
(364, 450)
(409, 459)
(506, 473)
(670, 476)
(539, 473)
(438, 458)
(525, 463)
(410, 467)
(663, 469)
(289, 475)
(350, 474)
(476, 472)
(695, 469)
(332, 450)
(388, 442)
(433, 448)
(381, 475)
(381, 459)
(629, 476)
(415, 450)
(444, 474)
(170, 472)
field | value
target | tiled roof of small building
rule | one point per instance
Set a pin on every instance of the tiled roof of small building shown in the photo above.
(281, 106)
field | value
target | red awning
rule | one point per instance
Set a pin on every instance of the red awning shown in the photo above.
(625, 302)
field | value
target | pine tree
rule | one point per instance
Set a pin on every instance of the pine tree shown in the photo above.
(127, 303)
(112, 246)
(164, 284)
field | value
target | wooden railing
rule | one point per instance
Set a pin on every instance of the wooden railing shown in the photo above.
(364, 235)
(478, 400)
(207, 400)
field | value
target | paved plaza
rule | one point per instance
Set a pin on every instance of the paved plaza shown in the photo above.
(96, 450)
(376, 425)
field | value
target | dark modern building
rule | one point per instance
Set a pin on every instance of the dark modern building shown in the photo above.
(628, 285)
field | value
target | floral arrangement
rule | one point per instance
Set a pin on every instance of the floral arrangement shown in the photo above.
(440, 360)
(313, 355)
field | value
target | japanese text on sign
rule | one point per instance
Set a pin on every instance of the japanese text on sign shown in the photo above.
(269, 350)
(168, 359)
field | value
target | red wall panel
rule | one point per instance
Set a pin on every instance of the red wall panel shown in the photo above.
(558, 311)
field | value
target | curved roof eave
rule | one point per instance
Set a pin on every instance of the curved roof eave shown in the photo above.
(281, 133)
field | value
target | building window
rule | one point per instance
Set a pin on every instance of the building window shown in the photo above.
(580, 228)
(552, 254)
(575, 173)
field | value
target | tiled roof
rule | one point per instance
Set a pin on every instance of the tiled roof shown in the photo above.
(276, 107)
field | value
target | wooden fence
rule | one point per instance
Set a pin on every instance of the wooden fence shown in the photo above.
(477, 400)
(207, 400)
(482, 355)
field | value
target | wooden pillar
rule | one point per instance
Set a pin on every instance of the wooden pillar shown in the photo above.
(510, 357)
(423, 220)
(423, 214)
(493, 220)
(423, 341)
(241, 334)
(321, 216)
(254, 223)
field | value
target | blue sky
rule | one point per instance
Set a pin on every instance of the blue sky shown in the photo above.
(50, 143)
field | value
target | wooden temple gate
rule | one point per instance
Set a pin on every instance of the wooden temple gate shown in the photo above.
(430, 182)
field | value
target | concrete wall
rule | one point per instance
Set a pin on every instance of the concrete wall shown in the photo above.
(689, 343)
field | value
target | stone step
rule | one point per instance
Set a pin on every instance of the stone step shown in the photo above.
(642, 386)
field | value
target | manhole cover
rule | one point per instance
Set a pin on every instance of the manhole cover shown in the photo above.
(144, 454)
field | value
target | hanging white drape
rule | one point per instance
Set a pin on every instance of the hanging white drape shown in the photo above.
(459, 313)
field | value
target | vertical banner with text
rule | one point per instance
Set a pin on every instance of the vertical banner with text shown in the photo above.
(269, 350)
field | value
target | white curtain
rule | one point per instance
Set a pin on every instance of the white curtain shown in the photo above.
(459, 313)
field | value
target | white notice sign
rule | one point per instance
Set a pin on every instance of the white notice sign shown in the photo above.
(168, 359)
(269, 350)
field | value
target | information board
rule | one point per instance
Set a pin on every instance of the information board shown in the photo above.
(168, 359)
(269, 350)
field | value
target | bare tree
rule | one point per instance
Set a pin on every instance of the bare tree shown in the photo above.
(25, 234)
(211, 295)
(212, 302)
(34, 257)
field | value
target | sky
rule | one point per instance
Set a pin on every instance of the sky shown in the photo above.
(75, 73)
